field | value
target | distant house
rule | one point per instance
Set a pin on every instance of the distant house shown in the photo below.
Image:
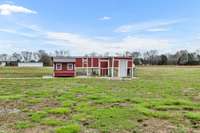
(2, 64)
(9, 61)
(93, 66)
(30, 64)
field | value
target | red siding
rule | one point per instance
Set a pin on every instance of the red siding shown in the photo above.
(64, 73)
(64, 66)
(104, 64)
(95, 62)
(85, 62)
(89, 62)
(130, 63)
(116, 63)
(78, 62)
(110, 62)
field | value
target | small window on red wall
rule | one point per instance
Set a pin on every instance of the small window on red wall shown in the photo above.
(70, 66)
(58, 66)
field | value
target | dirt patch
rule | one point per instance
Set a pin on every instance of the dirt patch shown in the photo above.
(44, 104)
(39, 129)
(156, 126)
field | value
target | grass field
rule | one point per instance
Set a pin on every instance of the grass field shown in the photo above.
(161, 99)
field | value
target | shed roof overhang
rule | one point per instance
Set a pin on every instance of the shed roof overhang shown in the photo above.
(64, 59)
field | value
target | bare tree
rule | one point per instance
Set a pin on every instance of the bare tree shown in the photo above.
(62, 53)
(17, 56)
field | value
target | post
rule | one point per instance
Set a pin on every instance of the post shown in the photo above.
(87, 66)
(108, 67)
(99, 66)
(132, 68)
(113, 66)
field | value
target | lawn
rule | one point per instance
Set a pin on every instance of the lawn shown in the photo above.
(16, 72)
(161, 99)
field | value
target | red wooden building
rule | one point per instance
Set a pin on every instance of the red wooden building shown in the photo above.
(93, 66)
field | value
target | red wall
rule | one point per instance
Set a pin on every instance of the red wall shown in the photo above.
(95, 62)
(78, 62)
(130, 62)
(64, 72)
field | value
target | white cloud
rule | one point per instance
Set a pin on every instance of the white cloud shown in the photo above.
(85, 44)
(153, 26)
(105, 18)
(20, 33)
(158, 29)
(8, 9)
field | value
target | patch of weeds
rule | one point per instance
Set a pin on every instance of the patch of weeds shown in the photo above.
(10, 97)
(67, 103)
(114, 119)
(52, 122)
(81, 117)
(166, 108)
(60, 110)
(193, 116)
(22, 125)
(38, 116)
(34, 100)
(66, 96)
(180, 129)
(83, 107)
(102, 98)
(151, 113)
(71, 128)
(38, 94)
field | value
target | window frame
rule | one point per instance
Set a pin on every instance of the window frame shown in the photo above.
(58, 64)
(70, 64)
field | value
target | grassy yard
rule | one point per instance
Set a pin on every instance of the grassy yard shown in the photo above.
(161, 99)
(16, 72)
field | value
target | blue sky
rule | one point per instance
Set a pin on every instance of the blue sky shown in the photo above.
(83, 26)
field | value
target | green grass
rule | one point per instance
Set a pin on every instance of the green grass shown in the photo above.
(165, 93)
(15, 72)
(22, 125)
(193, 116)
(71, 128)
(60, 110)
(52, 122)
(38, 116)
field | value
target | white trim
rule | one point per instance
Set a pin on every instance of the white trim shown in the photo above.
(87, 67)
(119, 69)
(99, 66)
(132, 68)
(57, 66)
(68, 64)
(113, 60)
(92, 62)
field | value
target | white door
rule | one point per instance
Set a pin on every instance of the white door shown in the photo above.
(123, 68)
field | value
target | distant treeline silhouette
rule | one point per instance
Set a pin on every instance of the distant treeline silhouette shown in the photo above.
(151, 57)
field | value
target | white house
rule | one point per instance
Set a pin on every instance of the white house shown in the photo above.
(30, 64)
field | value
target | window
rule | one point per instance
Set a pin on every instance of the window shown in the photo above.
(58, 66)
(70, 66)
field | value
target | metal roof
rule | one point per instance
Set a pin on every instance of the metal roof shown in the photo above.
(64, 59)
(73, 58)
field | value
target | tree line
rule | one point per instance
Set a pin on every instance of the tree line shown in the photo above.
(151, 57)
(28, 56)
